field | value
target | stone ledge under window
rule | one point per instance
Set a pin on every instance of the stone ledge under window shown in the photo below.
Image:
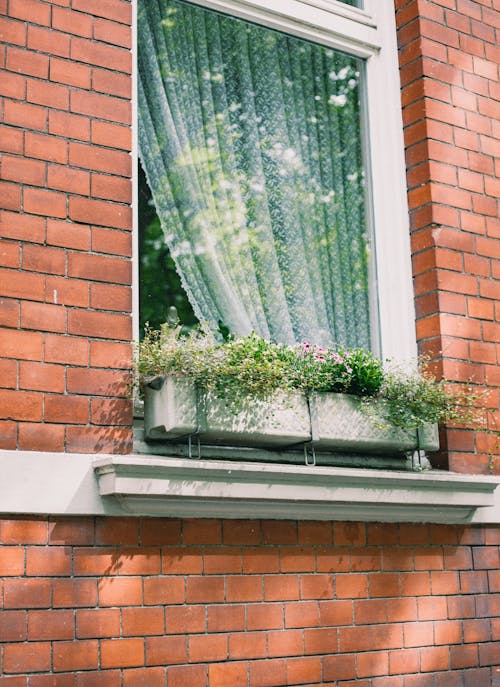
(177, 487)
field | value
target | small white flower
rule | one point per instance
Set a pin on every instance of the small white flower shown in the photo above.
(337, 100)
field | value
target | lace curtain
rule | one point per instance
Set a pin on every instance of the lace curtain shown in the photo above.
(251, 144)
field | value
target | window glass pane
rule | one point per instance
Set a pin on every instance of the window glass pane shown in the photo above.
(354, 3)
(252, 147)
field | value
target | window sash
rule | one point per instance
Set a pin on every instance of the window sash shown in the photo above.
(369, 33)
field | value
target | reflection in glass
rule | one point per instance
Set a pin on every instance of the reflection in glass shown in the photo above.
(251, 144)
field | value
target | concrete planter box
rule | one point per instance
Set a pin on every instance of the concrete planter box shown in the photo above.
(175, 409)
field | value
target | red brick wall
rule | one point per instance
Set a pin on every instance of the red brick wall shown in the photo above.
(65, 224)
(112, 602)
(129, 602)
(449, 60)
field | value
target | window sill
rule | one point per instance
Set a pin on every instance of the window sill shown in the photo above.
(87, 484)
(177, 487)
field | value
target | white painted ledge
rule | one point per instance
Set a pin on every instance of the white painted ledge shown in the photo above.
(79, 484)
(199, 488)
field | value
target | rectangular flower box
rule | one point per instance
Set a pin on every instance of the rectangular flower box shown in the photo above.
(174, 409)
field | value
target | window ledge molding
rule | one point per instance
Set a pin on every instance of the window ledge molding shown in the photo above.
(77, 484)
(173, 487)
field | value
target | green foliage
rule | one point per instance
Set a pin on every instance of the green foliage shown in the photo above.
(252, 366)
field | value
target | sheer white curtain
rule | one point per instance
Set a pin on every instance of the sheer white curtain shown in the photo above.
(251, 144)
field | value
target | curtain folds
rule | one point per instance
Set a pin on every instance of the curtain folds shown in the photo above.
(251, 144)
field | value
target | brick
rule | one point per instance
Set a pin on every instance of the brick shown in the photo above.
(247, 645)
(284, 643)
(116, 10)
(43, 259)
(100, 212)
(69, 125)
(12, 626)
(372, 663)
(43, 317)
(50, 625)
(23, 345)
(204, 590)
(279, 532)
(20, 405)
(69, 73)
(98, 440)
(351, 586)
(264, 616)
(340, 667)
(404, 661)
(127, 562)
(122, 653)
(13, 86)
(69, 180)
(75, 23)
(164, 590)
(30, 10)
(11, 140)
(101, 678)
(9, 315)
(186, 676)
(316, 586)
(44, 93)
(46, 203)
(69, 593)
(295, 559)
(281, 588)
(66, 350)
(53, 561)
(27, 62)
(111, 188)
(112, 32)
(244, 588)
(21, 530)
(100, 325)
(222, 674)
(97, 623)
(12, 561)
(144, 677)
(10, 196)
(111, 83)
(26, 593)
(124, 591)
(267, 673)
(117, 531)
(35, 437)
(208, 648)
(260, 560)
(71, 530)
(12, 31)
(322, 641)
(160, 531)
(111, 135)
(444, 582)
(72, 656)
(23, 170)
(301, 614)
(165, 650)
(48, 41)
(111, 412)
(110, 354)
(63, 291)
(25, 115)
(100, 159)
(188, 619)
(476, 630)
(68, 234)
(8, 374)
(417, 633)
(448, 632)
(8, 435)
(32, 657)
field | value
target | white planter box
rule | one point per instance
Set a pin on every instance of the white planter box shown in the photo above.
(173, 409)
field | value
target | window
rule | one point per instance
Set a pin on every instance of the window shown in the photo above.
(270, 135)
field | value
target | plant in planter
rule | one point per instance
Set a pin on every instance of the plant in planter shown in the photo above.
(251, 392)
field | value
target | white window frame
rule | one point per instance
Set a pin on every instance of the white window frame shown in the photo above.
(368, 33)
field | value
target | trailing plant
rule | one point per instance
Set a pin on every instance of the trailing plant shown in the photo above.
(251, 366)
